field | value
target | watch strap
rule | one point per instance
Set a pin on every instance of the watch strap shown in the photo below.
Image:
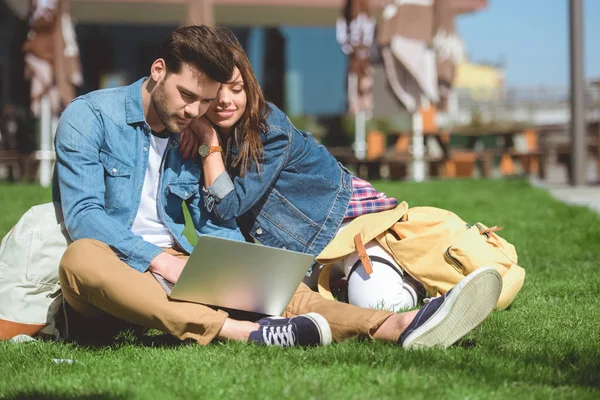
(214, 149)
(211, 149)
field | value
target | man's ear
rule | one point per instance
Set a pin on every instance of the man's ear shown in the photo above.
(158, 70)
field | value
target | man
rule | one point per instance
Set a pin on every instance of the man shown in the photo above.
(121, 181)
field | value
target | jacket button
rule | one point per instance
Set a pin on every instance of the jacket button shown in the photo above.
(186, 194)
(259, 231)
(114, 170)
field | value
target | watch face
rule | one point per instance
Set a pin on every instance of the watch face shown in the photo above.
(203, 150)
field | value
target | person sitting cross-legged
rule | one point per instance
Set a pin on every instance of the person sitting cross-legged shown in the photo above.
(121, 181)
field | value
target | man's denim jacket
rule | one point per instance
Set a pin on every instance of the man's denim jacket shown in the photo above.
(102, 146)
(298, 198)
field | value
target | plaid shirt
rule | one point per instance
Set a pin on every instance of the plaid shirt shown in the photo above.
(366, 199)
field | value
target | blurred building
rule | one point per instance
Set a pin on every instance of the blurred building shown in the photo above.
(118, 39)
(291, 44)
(226, 12)
(480, 81)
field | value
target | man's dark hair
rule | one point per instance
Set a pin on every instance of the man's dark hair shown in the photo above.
(200, 47)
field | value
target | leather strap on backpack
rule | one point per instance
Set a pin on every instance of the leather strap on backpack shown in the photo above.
(376, 259)
(362, 254)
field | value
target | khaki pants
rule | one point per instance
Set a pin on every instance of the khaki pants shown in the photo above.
(95, 281)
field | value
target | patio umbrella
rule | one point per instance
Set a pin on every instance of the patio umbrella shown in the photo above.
(200, 12)
(405, 36)
(421, 36)
(420, 48)
(52, 65)
(355, 33)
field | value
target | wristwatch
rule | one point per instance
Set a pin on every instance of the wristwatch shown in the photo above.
(204, 150)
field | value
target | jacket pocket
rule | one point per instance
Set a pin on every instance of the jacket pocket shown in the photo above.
(183, 190)
(117, 174)
(478, 247)
(285, 222)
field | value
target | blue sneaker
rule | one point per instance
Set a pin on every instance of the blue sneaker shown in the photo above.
(310, 329)
(447, 318)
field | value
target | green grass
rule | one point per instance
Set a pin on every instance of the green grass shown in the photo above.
(547, 345)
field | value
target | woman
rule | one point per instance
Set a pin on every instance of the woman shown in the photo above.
(285, 189)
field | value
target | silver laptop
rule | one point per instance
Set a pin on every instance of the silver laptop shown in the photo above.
(239, 275)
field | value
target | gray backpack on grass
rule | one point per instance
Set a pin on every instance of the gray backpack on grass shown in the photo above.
(29, 258)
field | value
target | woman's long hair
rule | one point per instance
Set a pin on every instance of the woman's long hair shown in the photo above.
(248, 129)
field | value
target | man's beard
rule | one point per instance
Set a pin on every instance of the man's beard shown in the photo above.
(159, 102)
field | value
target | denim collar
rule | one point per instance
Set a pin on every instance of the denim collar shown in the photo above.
(133, 103)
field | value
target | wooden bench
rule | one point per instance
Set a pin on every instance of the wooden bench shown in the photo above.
(391, 165)
(395, 166)
(345, 155)
(513, 147)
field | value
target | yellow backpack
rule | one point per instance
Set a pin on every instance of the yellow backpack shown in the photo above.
(434, 246)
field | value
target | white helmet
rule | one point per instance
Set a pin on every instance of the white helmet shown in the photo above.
(388, 287)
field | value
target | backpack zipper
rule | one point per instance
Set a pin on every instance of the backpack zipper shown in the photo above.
(451, 260)
(482, 231)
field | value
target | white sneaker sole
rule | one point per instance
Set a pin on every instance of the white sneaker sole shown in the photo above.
(322, 325)
(469, 304)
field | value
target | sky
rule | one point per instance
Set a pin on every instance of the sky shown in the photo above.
(531, 37)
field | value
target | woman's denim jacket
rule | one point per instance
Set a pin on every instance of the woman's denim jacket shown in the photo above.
(102, 143)
(298, 199)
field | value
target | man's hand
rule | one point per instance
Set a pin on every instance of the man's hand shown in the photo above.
(168, 266)
(205, 131)
(188, 144)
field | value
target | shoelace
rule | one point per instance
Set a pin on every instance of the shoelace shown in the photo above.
(279, 335)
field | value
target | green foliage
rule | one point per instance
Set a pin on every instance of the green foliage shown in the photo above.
(394, 124)
(546, 345)
(374, 124)
(309, 123)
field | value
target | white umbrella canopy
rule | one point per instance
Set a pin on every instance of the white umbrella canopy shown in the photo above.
(420, 47)
(420, 35)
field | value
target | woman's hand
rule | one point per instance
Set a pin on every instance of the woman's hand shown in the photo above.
(205, 131)
(188, 144)
(201, 131)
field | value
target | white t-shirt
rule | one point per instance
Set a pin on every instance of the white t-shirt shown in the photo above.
(147, 223)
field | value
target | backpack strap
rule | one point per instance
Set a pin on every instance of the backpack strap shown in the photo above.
(323, 283)
(379, 260)
(362, 254)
